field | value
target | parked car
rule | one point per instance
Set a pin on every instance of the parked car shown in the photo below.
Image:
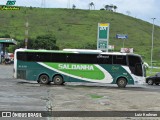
(153, 79)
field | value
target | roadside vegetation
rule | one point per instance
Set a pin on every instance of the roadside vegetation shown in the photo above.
(152, 71)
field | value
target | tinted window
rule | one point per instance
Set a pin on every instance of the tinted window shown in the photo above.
(119, 59)
(138, 70)
(21, 56)
(133, 60)
(104, 59)
(71, 58)
(41, 57)
(135, 65)
(82, 58)
(58, 57)
(89, 58)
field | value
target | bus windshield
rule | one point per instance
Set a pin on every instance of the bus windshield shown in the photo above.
(135, 65)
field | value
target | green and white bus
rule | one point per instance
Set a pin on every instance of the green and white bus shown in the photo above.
(75, 65)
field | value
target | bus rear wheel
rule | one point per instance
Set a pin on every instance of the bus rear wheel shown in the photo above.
(43, 79)
(58, 80)
(121, 82)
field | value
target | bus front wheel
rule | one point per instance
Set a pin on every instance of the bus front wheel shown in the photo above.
(121, 82)
(58, 80)
(43, 79)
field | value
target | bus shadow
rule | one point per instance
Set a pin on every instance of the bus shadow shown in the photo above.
(70, 85)
(114, 87)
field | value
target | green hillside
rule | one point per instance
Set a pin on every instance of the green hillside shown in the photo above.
(78, 28)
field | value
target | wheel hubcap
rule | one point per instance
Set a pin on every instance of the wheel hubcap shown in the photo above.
(121, 82)
(150, 82)
(44, 79)
(58, 80)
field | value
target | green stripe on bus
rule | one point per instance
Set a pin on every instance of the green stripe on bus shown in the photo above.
(89, 71)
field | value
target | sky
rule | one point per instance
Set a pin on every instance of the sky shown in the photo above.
(141, 9)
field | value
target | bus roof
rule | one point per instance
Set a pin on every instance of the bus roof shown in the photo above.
(83, 50)
(42, 50)
(76, 51)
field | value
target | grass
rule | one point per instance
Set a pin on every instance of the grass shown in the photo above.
(78, 28)
(152, 71)
(95, 96)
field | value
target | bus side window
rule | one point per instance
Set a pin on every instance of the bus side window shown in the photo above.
(38, 57)
(82, 58)
(104, 59)
(119, 59)
(22, 56)
(43, 57)
(31, 56)
(59, 57)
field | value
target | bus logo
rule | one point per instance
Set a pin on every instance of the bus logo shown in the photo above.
(11, 2)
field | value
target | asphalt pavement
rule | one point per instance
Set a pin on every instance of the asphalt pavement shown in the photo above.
(21, 95)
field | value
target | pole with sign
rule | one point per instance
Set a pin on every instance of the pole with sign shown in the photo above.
(103, 36)
(122, 36)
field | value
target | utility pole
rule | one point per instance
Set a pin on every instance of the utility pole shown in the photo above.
(123, 42)
(68, 4)
(26, 33)
(43, 4)
(152, 44)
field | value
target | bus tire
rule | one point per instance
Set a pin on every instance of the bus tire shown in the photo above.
(150, 82)
(121, 82)
(58, 80)
(43, 79)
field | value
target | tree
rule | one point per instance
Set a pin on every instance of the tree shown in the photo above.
(73, 6)
(20, 44)
(110, 7)
(5, 36)
(107, 7)
(115, 8)
(91, 5)
(102, 9)
(47, 42)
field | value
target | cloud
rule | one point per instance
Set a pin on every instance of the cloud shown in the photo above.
(142, 9)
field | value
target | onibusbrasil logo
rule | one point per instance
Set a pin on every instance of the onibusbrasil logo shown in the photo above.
(9, 5)
(11, 2)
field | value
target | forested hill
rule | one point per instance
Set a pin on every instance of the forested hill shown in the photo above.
(78, 28)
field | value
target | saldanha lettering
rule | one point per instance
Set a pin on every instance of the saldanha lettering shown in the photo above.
(75, 67)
